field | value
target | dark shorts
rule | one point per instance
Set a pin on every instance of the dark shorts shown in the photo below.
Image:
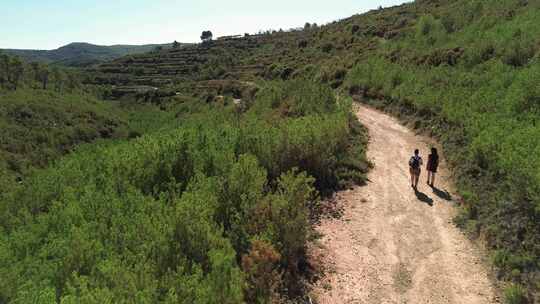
(432, 169)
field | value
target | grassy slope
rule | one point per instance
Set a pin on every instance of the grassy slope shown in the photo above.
(39, 126)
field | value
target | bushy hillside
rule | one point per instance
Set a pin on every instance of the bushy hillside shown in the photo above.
(82, 54)
(217, 210)
(46, 112)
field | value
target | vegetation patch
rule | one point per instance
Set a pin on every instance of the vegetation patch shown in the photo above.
(216, 210)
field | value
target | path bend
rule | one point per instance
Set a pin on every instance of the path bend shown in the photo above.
(392, 245)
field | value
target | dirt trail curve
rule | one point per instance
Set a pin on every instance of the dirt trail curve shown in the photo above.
(392, 245)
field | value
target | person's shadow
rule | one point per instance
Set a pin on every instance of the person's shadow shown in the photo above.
(445, 195)
(423, 197)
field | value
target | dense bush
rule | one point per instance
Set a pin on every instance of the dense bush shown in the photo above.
(215, 211)
(327, 47)
(515, 294)
(278, 71)
(38, 126)
(16, 74)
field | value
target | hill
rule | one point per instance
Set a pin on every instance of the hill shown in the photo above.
(82, 54)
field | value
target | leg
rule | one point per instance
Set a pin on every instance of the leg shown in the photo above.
(416, 178)
(432, 179)
(428, 176)
(412, 177)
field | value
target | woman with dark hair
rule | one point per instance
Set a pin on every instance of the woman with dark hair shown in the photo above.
(432, 165)
(414, 168)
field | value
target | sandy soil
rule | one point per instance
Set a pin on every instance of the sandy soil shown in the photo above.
(393, 245)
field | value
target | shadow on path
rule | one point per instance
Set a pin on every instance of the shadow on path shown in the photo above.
(445, 195)
(423, 197)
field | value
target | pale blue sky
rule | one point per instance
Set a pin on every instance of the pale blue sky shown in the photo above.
(48, 24)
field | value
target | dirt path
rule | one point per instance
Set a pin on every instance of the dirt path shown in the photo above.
(392, 245)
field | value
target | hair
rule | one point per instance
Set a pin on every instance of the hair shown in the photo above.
(416, 151)
(434, 151)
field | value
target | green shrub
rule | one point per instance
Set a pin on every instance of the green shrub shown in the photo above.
(515, 294)
(261, 266)
(278, 71)
(518, 53)
(327, 47)
(430, 30)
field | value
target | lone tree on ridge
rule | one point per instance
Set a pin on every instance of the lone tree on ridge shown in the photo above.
(206, 36)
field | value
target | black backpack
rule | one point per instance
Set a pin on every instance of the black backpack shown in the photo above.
(414, 162)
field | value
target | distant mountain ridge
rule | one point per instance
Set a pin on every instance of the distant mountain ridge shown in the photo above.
(83, 54)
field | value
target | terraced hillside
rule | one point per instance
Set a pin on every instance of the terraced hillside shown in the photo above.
(323, 52)
(236, 58)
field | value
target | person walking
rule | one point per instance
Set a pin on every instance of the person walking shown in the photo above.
(432, 165)
(415, 163)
